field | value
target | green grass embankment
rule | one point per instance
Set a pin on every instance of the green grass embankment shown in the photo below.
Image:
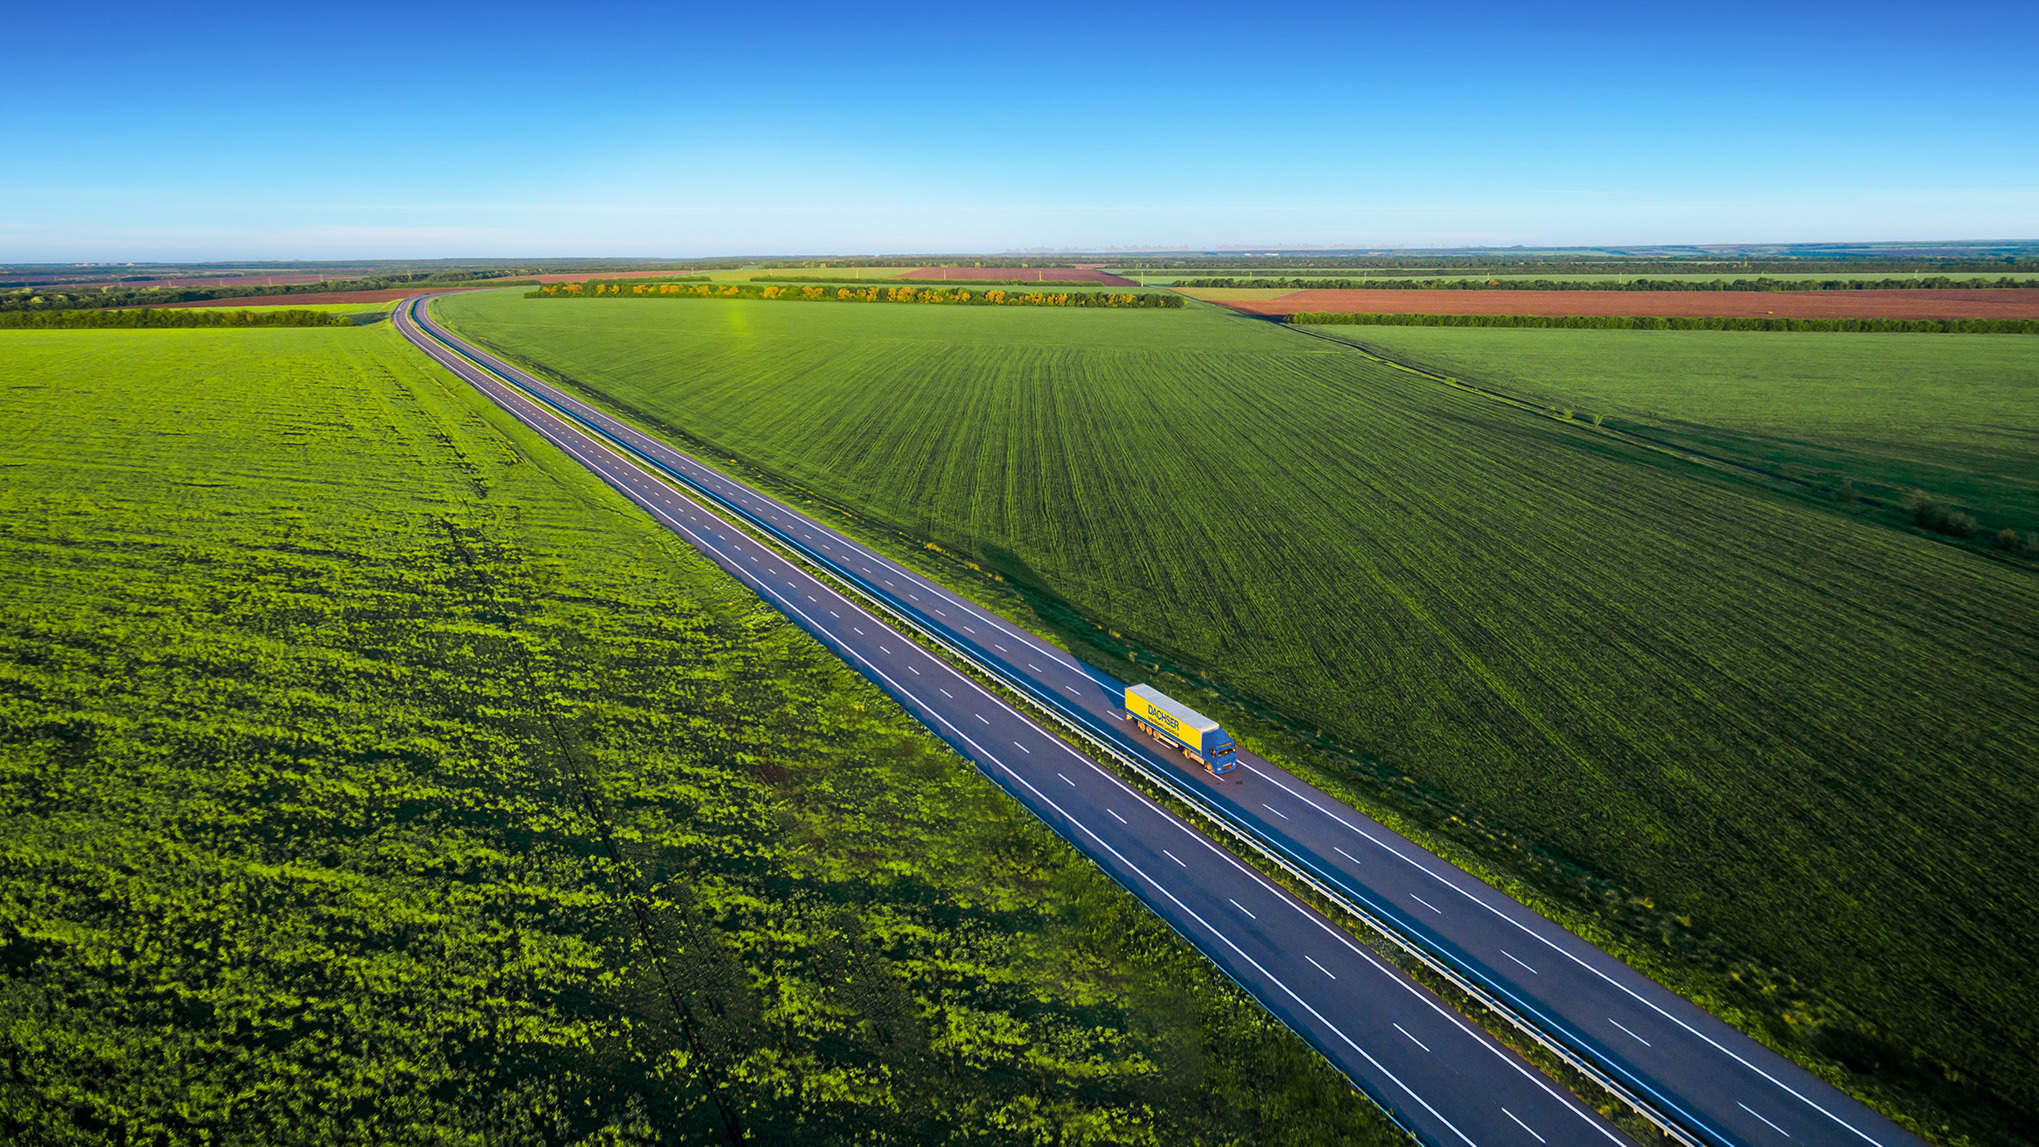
(1780, 756)
(370, 772)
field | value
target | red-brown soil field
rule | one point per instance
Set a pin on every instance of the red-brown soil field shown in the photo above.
(2004, 303)
(319, 297)
(1020, 274)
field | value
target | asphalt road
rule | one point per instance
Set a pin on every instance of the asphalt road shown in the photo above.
(1719, 1085)
(1442, 1078)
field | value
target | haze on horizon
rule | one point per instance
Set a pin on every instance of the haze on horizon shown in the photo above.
(246, 132)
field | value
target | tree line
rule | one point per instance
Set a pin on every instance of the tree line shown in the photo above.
(161, 317)
(961, 296)
(1935, 283)
(54, 300)
(1675, 323)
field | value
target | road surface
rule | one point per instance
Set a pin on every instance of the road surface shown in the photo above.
(1716, 1084)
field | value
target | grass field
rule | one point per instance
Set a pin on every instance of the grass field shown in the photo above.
(1954, 415)
(1779, 755)
(371, 773)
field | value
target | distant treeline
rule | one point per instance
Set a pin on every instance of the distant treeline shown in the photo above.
(178, 317)
(972, 282)
(51, 300)
(1936, 283)
(1675, 323)
(875, 294)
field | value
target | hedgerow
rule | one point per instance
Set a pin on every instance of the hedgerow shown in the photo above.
(162, 317)
(954, 296)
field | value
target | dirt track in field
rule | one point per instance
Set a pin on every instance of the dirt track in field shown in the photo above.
(1023, 274)
(2006, 303)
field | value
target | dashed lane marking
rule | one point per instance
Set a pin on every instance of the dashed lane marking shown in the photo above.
(1759, 1115)
(1412, 1039)
(1524, 1126)
(1641, 1040)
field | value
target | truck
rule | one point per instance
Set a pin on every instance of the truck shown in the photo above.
(1175, 724)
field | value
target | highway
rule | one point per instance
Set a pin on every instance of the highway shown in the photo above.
(1442, 1079)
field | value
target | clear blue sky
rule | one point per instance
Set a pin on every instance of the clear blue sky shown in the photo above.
(195, 131)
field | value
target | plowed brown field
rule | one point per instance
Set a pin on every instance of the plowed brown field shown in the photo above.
(2007, 303)
(319, 297)
(1020, 274)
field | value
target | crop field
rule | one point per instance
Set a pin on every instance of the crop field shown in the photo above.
(1956, 416)
(1781, 756)
(369, 772)
(1999, 303)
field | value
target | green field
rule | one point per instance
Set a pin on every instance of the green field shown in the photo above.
(1782, 756)
(371, 773)
(1954, 415)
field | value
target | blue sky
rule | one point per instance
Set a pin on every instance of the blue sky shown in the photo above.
(265, 131)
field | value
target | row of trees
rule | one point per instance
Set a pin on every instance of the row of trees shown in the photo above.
(1676, 323)
(161, 317)
(962, 296)
(972, 282)
(39, 299)
(1937, 282)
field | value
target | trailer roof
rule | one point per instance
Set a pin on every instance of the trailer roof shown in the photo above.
(1176, 709)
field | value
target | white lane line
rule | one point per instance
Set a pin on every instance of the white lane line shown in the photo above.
(982, 717)
(1426, 903)
(1759, 1115)
(1512, 956)
(1274, 810)
(835, 615)
(1117, 817)
(885, 651)
(968, 628)
(859, 629)
(810, 599)
(1524, 1126)
(938, 610)
(1072, 690)
(1617, 985)
(946, 693)
(1066, 780)
(1001, 648)
(1631, 1035)
(916, 672)
(1243, 908)
(1345, 854)
(1033, 667)
(1173, 857)
(1022, 748)
(1320, 967)
(1412, 1039)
